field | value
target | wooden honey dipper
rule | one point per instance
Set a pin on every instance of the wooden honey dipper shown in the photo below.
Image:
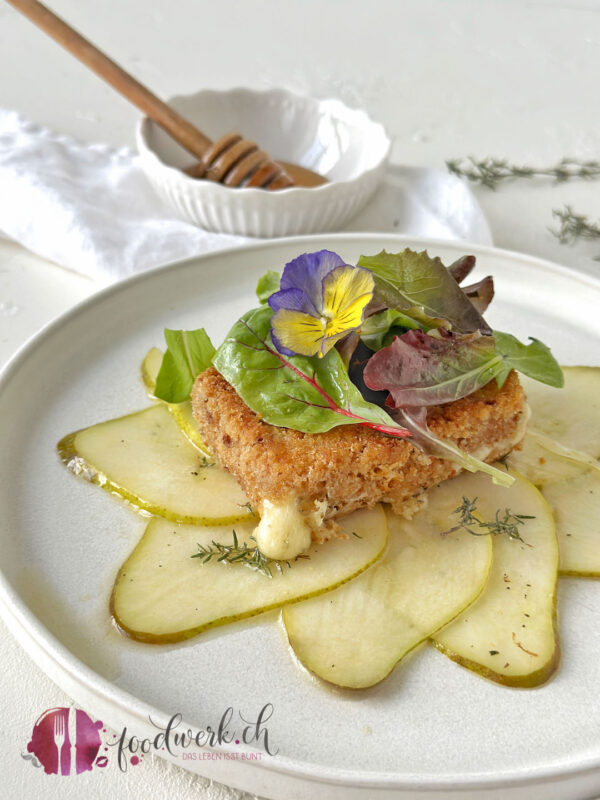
(231, 160)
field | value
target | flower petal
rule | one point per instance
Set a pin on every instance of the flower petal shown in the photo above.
(296, 332)
(346, 293)
(285, 351)
(292, 299)
(307, 273)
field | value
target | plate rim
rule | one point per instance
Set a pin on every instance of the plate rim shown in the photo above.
(24, 624)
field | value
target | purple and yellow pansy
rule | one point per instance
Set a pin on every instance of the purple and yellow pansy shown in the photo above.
(320, 301)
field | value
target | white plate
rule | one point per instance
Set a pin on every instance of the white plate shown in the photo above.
(431, 727)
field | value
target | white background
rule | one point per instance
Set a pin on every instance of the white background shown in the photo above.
(448, 79)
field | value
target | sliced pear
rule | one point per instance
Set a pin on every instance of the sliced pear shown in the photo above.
(182, 412)
(509, 634)
(541, 462)
(560, 449)
(572, 488)
(570, 415)
(162, 594)
(355, 635)
(145, 459)
(150, 368)
(576, 504)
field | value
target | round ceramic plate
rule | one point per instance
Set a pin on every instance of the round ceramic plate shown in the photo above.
(430, 728)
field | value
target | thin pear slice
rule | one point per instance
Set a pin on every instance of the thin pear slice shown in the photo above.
(570, 415)
(182, 412)
(150, 368)
(145, 459)
(509, 634)
(162, 594)
(354, 636)
(572, 488)
(576, 504)
(540, 462)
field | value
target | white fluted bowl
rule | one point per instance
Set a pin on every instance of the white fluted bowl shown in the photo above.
(342, 144)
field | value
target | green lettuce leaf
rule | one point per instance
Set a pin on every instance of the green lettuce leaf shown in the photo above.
(379, 329)
(424, 289)
(267, 285)
(534, 360)
(311, 395)
(188, 354)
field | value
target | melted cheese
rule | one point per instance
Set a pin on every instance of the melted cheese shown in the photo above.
(283, 531)
(505, 445)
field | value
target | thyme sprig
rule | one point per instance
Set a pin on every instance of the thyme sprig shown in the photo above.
(504, 523)
(492, 171)
(572, 226)
(237, 553)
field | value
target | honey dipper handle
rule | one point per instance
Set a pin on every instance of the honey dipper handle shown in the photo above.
(179, 128)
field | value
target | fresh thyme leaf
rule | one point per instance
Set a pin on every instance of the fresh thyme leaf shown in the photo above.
(572, 226)
(504, 523)
(491, 172)
(237, 553)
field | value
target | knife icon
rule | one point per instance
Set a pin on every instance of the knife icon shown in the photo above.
(72, 741)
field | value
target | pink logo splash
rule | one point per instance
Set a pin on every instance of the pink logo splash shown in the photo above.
(66, 741)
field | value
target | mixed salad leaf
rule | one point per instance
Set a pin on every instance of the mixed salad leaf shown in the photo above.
(420, 369)
(379, 329)
(188, 354)
(534, 360)
(373, 344)
(424, 289)
(267, 285)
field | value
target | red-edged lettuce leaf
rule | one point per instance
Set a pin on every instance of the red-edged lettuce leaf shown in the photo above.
(481, 293)
(415, 420)
(462, 267)
(424, 289)
(419, 369)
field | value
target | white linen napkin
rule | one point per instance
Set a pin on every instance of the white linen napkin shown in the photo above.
(91, 209)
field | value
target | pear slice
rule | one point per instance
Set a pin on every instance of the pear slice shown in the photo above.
(150, 368)
(509, 634)
(572, 488)
(162, 594)
(354, 636)
(576, 504)
(571, 415)
(182, 412)
(145, 459)
(542, 461)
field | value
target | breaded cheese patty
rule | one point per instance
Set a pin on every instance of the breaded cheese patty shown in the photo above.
(351, 466)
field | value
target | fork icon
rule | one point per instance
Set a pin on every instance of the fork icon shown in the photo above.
(59, 739)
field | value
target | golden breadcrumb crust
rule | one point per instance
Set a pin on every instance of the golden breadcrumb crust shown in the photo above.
(350, 466)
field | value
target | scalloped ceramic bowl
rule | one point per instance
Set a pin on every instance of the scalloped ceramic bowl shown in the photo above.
(342, 144)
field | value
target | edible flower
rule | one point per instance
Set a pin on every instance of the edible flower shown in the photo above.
(321, 300)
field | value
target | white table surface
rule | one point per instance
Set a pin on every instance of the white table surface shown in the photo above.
(448, 79)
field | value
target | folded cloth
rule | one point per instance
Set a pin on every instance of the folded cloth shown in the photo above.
(91, 209)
